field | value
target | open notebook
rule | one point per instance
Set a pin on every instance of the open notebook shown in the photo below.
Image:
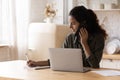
(38, 67)
(35, 68)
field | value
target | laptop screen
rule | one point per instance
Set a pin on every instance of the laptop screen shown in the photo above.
(66, 59)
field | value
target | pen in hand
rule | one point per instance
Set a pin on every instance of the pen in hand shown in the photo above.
(26, 55)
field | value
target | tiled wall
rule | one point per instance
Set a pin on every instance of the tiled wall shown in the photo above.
(110, 19)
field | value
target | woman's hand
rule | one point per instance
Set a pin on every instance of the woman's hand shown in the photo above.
(31, 63)
(38, 63)
(83, 36)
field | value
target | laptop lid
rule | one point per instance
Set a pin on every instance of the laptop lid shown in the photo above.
(65, 59)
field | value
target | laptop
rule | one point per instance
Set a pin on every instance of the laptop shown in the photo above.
(66, 59)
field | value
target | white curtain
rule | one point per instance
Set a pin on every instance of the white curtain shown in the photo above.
(14, 20)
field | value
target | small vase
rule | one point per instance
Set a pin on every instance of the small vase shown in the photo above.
(49, 20)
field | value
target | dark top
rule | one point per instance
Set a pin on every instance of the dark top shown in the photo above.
(96, 45)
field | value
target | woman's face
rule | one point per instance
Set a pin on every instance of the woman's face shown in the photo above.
(74, 24)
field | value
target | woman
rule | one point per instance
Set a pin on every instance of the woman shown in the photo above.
(87, 35)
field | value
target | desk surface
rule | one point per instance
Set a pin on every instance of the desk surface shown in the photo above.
(18, 70)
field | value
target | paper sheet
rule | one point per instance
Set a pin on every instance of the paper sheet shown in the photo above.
(108, 72)
(38, 67)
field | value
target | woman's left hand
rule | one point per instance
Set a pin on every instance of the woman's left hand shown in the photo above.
(83, 36)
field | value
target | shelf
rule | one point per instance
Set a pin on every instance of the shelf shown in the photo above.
(97, 10)
(114, 56)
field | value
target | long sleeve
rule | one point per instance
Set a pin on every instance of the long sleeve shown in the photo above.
(69, 41)
(96, 53)
(96, 45)
(65, 44)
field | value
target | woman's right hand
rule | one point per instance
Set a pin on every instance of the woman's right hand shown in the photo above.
(31, 63)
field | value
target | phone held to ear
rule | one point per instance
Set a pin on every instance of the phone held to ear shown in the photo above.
(82, 25)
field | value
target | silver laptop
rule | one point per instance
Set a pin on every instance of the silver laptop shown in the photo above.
(65, 59)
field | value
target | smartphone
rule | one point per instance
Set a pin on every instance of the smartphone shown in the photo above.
(26, 55)
(82, 25)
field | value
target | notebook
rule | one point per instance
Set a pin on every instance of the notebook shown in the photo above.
(66, 59)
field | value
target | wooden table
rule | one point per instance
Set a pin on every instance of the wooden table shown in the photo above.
(17, 70)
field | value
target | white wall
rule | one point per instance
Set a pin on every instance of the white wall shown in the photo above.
(37, 10)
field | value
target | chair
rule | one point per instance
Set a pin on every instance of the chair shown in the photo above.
(42, 36)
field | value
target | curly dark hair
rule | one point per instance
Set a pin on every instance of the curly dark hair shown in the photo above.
(81, 14)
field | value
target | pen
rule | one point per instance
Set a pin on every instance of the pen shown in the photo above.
(26, 55)
(41, 67)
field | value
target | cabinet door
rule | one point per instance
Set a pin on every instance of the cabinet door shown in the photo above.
(109, 64)
(118, 64)
(5, 53)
